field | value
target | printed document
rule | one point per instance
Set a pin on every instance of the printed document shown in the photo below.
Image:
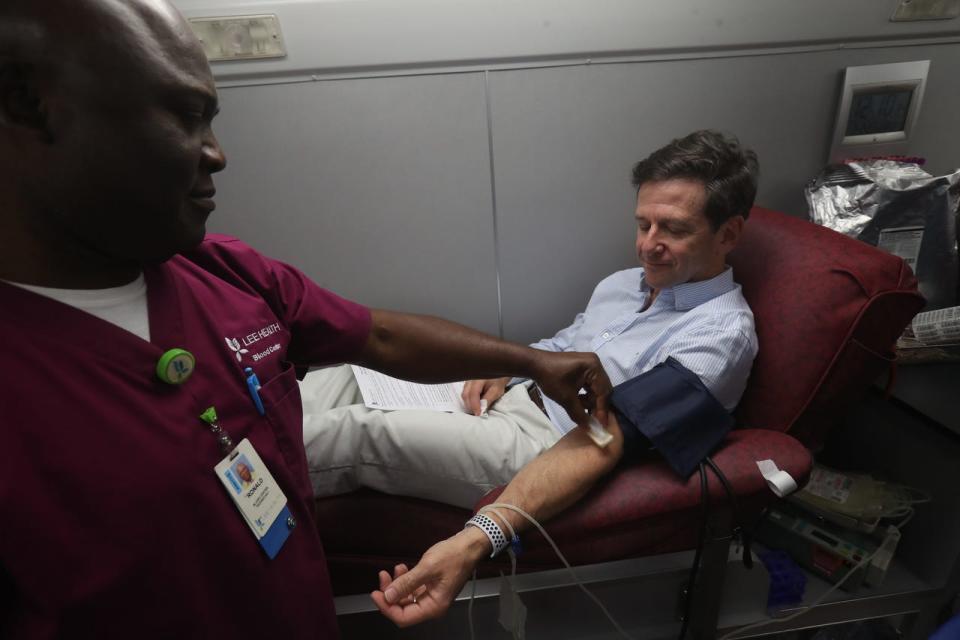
(383, 392)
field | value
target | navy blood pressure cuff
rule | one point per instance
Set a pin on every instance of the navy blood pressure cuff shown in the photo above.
(672, 409)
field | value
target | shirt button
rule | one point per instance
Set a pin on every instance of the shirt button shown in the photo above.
(291, 522)
(606, 335)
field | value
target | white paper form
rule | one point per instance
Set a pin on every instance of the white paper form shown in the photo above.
(384, 392)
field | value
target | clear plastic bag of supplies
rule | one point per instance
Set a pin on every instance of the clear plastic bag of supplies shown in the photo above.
(899, 207)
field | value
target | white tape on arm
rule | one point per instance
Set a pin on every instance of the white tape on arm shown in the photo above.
(600, 436)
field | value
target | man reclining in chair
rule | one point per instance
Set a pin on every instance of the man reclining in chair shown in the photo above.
(693, 197)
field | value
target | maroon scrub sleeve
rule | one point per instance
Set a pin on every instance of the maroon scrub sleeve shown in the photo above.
(325, 328)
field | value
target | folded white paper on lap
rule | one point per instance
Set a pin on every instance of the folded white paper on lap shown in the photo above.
(381, 391)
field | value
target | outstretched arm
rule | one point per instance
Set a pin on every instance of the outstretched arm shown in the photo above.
(428, 349)
(544, 487)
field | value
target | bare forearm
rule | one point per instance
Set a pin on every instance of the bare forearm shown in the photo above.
(543, 488)
(559, 477)
(429, 349)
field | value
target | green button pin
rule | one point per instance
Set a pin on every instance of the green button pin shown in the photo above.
(175, 366)
(209, 415)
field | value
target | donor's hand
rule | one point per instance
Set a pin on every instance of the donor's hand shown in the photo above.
(476, 390)
(427, 590)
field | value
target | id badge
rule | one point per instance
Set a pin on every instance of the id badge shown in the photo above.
(257, 496)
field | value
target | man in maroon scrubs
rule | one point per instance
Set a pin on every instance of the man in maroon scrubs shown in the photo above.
(143, 363)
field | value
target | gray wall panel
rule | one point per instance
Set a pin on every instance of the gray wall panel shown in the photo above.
(566, 138)
(937, 136)
(379, 189)
(350, 36)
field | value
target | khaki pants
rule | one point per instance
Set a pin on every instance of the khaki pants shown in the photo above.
(446, 457)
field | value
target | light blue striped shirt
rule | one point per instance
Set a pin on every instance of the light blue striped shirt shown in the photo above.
(707, 326)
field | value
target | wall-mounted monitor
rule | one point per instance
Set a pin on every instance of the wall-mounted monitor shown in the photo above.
(878, 109)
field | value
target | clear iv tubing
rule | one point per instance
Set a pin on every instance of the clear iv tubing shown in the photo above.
(903, 503)
(510, 552)
(503, 505)
(473, 593)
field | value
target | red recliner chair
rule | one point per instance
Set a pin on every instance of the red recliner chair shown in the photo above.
(828, 311)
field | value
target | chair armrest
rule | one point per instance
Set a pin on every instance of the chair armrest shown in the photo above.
(644, 507)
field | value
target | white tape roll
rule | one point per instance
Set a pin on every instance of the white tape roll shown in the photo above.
(780, 482)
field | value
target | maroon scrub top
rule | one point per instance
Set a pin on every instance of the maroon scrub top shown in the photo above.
(114, 524)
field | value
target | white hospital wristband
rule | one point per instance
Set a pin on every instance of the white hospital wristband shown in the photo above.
(493, 531)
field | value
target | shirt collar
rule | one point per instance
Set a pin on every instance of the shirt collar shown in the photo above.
(688, 295)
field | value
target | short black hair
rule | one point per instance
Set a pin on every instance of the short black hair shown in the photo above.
(728, 171)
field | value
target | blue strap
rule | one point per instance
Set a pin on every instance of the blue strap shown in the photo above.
(669, 407)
